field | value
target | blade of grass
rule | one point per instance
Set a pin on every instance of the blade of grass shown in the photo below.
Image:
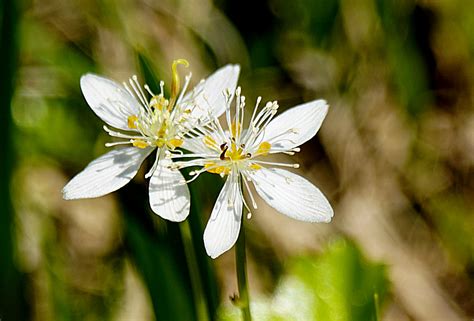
(195, 219)
(12, 300)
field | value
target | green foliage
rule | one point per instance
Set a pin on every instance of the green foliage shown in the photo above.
(159, 267)
(44, 118)
(404, 56)
(12, 302)
(343, 282)
(338, 285)
(205, 265)
(455, 223)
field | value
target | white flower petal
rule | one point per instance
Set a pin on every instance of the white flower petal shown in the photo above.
(106, 174)
(169, 194)
(109, 100)
(300, 123)
(223, 227)
(209, 95)
(292, 195)
(195, 145)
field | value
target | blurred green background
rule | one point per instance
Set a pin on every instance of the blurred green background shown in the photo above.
(395, 156)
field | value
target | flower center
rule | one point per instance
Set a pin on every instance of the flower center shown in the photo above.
(156, 127)
(159, 121)
(235, 156)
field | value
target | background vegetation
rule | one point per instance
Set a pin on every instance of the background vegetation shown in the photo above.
(395, 156)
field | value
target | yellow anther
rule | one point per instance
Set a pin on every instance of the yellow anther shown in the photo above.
(160, 143)
(131, 121)
(175, 84)
(209, 141)
(210, 167)
(255, 167)
(173, 143)
(159, 102)
(264, 148)
(140, 143)
(162, 131)
(235, 153)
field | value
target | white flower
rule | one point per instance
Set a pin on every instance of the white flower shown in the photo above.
(156, 124)
(242, 156)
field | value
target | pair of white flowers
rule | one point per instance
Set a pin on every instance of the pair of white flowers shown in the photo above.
(190, 122)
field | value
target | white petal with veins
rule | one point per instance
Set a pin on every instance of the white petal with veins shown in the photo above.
(109, 100)
(195, 145)
(296, 125)
(223, 227)
(292, 195)
(169, 194)
(106, 174)
(209, 95)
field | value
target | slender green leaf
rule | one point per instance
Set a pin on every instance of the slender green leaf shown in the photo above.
(12, 299)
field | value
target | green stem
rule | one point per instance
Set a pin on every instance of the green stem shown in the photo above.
(197, 288)
(376, 303)
(241, 265)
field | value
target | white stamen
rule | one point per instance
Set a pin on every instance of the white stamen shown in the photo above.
(127, 88)
(138, 93)
(185, 86)
(117, 143)
(254, 204)
(135, 79)
(155, 164)
(147, 88)
(277, 164)
(120, 135)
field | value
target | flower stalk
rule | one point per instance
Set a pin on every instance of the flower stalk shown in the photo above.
(241, 268)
